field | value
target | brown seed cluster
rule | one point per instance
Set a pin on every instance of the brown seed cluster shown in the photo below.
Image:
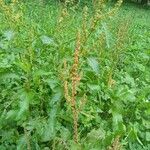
(70, 88)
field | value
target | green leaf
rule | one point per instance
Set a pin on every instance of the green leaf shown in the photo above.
(53, 83)
(9, 35)
(117, 119)
(46, 40)
(148, 136)
(107, 34)
(56, 96)
(21, 143)
(8, 75)
(25, 99)
(50, 127)
(25, 66)
(11, 114)
(140, 66)
(93, 63)
(65, 134)
(95, 135)
(93, 87)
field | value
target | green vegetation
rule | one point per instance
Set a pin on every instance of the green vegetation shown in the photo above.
(74, 77)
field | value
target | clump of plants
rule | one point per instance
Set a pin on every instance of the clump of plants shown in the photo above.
(71, 77)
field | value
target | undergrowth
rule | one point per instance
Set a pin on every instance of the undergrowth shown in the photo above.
(74, 76)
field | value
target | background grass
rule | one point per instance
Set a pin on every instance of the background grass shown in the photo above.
(114, 70)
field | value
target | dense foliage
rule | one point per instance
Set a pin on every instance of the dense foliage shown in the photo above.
(74, 78)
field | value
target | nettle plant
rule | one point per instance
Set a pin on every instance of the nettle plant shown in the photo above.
(61, 79)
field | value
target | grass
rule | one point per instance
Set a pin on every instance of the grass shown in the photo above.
(73, 79)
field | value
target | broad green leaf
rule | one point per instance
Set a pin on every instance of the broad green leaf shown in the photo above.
(25, 66)
(107, 34)
(9, 35)
(40, 72)
(96, 135)
(52, 83)
(8, 75)
(148, 136)
(117, 119)
(93, 63)
(47, 40)
(25, 100)
(11, 114)
(50, 127)
(21, 143)
(56, 96)
(65, 134)
(93, 87)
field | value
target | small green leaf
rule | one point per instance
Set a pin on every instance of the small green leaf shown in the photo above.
(11, 114)
(46, 40)
(148, 136)
(93, 63)
(9, 35)
(93, 87)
